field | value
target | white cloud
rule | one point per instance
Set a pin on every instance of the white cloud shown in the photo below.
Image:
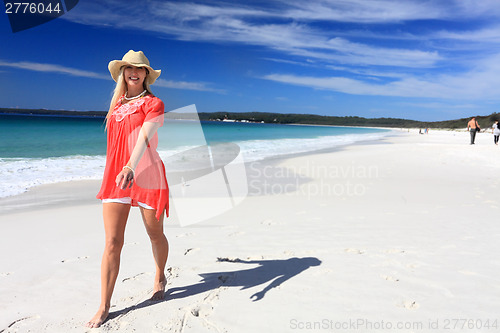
(441, 106)
(52, 68)
(489, 34)
(188, 11)
(200, 86)
(354, 11)
(368, 73)
(38, 67)
(473, 8)
(481, 82)
(390, 11)
(289, 32)
(387, 60)
(362, 11)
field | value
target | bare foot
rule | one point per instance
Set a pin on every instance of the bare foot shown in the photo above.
(98, 319)
(159, 290)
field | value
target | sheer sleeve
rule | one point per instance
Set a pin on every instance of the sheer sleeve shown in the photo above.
(154, 110)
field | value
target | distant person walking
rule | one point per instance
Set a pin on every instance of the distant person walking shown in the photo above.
(473, 128)
(496, 132)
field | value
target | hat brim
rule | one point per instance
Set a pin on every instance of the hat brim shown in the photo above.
(114, 67)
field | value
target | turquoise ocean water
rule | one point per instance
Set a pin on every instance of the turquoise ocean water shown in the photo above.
(37, 150)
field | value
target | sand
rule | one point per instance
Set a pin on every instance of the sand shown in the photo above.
(400, 234)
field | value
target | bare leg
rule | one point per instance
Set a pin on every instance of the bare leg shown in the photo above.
(159, 244)
(115, 217)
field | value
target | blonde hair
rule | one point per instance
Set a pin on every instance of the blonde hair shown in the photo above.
(120, 89)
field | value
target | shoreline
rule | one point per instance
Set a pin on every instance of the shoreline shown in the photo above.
(52, 194)
(79, 192)
(82, 191)
(68, 193)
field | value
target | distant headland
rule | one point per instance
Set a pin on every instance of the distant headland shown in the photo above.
(281, 118)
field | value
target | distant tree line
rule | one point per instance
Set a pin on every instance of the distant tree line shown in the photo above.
(45, 112)
(311, 119)
(289, 118)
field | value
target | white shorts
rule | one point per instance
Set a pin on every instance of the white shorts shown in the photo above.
(126, 200)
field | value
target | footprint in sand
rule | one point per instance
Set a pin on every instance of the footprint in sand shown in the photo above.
(410, 305)
(271, 222)
(191, 250)
(394, 251)
(6, 273)
(75, 259)
(226, 259)
(389, 278)
(237, 233)
(172, 273)
(18, 323)
(354, 251)
(202, 310)
(185, 235)
(250, 258)
(228, 227)
(199, 311)
(135, 277)
(322, 272)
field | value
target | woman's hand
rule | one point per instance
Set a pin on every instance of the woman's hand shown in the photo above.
(125, 178)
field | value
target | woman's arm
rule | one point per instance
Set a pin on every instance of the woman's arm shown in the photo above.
(126, 177)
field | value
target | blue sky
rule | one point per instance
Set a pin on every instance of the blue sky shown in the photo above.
(424, 60)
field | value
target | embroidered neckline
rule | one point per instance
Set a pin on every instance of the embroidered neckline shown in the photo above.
(123, 110)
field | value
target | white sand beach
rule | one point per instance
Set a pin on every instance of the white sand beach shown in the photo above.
(400, 234)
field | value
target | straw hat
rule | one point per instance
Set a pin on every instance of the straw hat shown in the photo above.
(137, 59)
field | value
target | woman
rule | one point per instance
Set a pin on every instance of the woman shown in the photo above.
(134, 174)
(496, 132)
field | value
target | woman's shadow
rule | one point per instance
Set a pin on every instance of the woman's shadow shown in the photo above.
(273, 271)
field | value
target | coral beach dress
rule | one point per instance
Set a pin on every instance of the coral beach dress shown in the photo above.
(150, 183)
